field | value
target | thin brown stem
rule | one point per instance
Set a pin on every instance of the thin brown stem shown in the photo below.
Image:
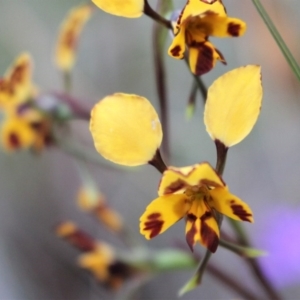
(221, 156)
(157, 162)
(148, 11)
(160, 79)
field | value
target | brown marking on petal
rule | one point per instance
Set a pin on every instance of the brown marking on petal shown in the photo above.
(209, 236)
(175, 186)
(154, 224)
(233, 29)
(81, 241)
(14, 140)
(176, 51)
(205, 58)
(190, 236)
(191, 217)
(240, 212)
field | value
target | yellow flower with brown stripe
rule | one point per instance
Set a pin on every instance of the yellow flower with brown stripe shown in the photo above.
(193, 192)
(197, 21)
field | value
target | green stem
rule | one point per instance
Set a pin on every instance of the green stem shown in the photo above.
(277, 37)
(67, 81)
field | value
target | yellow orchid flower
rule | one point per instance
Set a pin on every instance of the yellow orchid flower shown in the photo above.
(193, 192)
(70, 29)
(197, 21)
(16, 85)
(99, 258)
(122, 8)
(126, 129)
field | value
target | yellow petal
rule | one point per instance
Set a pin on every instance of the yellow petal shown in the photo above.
(122, 8)
(230, 205)
(201, 227)
(162, 213)
(223, 26)
(126, 129)
(98, 261)
(203, 57)
(175, 180)
(68, 37)
(16, 85)
(177, 48)
(16, 133)
(233, 105)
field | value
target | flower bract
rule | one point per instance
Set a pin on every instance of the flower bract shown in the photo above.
(233, 105)
(126, 129)
(122, 8)
(193, 192)
(197, 21)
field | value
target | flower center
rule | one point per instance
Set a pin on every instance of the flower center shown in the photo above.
(197, 192)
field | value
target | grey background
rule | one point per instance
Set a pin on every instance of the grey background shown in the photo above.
(115, 55)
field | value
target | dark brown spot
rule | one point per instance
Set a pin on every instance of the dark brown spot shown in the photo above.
(154, 216)
(209, 236)
(154, 224)
(175, 186)
(14, 140)
(239, 211)
(120, 269)
(176, 51)
(191, 217)
(37, 126)
(233, 29)
(81, 240)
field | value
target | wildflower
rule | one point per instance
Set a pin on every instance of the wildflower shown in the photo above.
(193, 192)
(99, 258)
(122, 8)
(197, 21)
(16, 85)
(126, 129)
(68, 37)
(233, 105)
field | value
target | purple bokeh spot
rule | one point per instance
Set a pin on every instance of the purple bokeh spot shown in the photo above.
(281, 239)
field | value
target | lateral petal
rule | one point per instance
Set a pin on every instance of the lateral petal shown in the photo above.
(230, 205)
(223, 26)
(162, 213)
(177, 48)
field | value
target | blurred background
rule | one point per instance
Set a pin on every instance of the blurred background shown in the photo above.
(115, 55)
